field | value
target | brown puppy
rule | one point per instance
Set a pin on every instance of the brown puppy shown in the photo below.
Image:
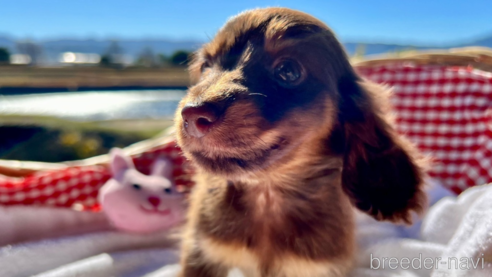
(286, 138)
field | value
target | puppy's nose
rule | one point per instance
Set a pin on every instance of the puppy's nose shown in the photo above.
(155, 201)
(198, 119)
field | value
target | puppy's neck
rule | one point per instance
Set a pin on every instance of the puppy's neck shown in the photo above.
(297, 207)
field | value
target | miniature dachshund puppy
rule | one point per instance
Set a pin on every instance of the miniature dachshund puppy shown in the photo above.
(287, 139)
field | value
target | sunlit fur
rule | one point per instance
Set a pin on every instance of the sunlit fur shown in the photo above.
(283, 167)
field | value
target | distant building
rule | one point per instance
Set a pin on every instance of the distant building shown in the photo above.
(79, 58)
(32, 50)
(20, 59)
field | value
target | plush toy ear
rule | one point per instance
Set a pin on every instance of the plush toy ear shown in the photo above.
(162, 167)
(381, 172)
(120, 162)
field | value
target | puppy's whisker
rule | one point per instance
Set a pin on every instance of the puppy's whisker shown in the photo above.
(260, 94)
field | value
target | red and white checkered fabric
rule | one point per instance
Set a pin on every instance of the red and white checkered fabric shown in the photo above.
(445, 112)
(77, 187)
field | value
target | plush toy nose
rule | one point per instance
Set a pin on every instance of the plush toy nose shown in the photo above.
(155, 201)
(198, 119)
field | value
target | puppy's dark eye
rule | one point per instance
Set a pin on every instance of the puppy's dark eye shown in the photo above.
(167, 190)
(206, 64)
(137, 187)
(288, 72)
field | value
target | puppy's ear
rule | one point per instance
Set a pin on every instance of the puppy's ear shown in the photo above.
(381, 173)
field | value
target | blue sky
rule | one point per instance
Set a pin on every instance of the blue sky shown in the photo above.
(398, 21)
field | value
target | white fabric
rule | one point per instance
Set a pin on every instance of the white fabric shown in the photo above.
(454, 227)
(21, 223)
(455, 236)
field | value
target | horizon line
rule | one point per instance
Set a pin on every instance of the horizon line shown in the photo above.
(360, 40)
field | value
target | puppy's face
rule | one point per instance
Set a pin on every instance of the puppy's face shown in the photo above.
(263, 86)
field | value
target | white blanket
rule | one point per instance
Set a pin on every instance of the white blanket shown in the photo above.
(454, 239)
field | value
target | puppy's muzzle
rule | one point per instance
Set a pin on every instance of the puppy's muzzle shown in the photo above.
(199, 119)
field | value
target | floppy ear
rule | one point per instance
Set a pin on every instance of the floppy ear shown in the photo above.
(381, 172)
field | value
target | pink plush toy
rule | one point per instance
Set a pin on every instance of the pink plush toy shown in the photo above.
(139, 203)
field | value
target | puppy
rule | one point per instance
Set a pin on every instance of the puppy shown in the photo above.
(287, 139)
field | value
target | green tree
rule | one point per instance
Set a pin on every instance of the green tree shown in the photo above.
(112, 57)
(4, 55)
(180, 58)
(105, 60)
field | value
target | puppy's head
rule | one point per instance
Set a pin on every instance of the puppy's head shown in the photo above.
(258, 91)
(275, 80)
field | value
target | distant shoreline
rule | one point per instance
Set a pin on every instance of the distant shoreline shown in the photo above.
(26, 79)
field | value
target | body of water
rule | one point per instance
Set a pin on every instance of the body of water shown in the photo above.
(95, 105)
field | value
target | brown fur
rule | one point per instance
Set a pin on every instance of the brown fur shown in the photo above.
(279, 173)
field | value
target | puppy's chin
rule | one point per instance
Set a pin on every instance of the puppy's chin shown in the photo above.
(229, 164)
